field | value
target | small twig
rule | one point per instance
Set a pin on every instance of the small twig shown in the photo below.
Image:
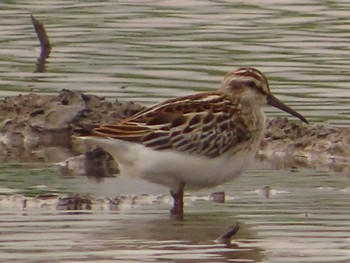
(42, 36)
(45, 45)
(227, 236)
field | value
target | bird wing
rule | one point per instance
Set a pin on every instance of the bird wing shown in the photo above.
(205, 124)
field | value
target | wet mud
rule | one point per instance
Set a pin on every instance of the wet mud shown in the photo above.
(294, 144)
(39, 128)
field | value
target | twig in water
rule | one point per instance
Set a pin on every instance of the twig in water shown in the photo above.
(45, 45)
(227, 236)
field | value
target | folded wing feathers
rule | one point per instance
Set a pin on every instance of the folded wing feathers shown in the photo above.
(202, 124)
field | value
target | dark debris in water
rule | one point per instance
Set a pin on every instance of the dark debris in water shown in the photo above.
(73, 203)
(228, 235)
(218, 197)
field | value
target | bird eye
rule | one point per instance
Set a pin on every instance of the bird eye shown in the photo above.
(252, 84)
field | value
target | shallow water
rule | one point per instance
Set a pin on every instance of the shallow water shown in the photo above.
(150, 50)
(304, 218)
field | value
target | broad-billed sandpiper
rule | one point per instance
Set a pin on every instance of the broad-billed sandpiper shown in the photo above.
(196, 141)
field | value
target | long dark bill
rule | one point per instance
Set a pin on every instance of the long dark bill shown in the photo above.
(273, 101)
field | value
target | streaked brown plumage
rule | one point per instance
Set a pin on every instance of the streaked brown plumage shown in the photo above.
(207, 124)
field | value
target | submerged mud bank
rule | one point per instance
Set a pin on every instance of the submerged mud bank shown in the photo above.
(294, 144)
(39, 128)
(86, 202)
(36, 128)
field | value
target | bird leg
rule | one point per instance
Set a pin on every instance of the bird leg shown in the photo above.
(178, 208)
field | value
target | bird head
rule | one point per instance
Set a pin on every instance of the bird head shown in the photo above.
(250, 86)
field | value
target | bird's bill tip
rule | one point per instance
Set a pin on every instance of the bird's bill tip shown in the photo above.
(273, 101)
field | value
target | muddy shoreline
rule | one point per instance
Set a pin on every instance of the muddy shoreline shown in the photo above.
(38, 129)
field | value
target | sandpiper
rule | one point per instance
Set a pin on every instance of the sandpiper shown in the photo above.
(196, 141)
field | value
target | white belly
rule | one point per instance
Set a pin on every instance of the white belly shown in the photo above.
(170, 168)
